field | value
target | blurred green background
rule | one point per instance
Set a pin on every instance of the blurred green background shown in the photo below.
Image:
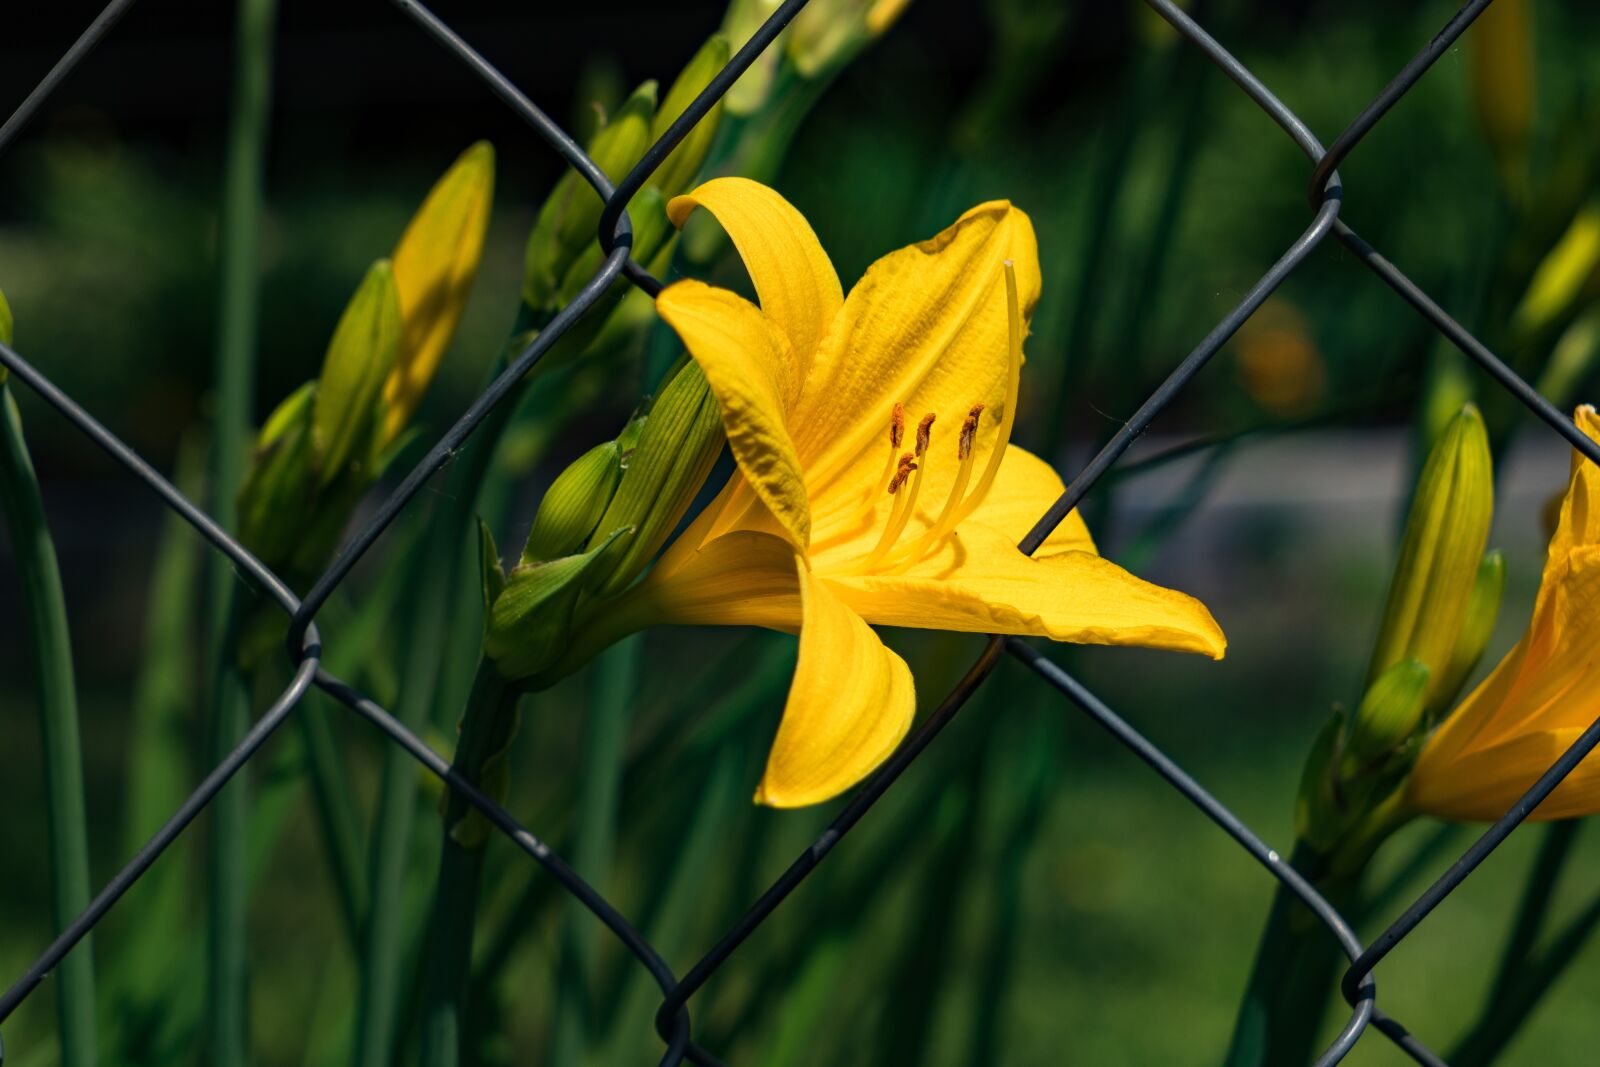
(1029, 894)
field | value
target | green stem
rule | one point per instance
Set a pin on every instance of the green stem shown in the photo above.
(46, 610)
(611, 689)
(1283, 1005)
(336, 814)
(239, 268)
(433, 567)
(1521, 979)
(487, 727)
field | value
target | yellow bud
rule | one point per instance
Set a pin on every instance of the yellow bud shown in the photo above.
(678, 444)
(1559, 280)
(1439, 558)
(569, 221)
(434, 266)
(1477, 626)
(677, 172)
(574, 503)
(1390, 712)
(364, 348)
(1500, 47)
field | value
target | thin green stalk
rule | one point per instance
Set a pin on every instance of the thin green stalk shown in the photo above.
(239, 269)
(143, 980)
(611, 697)
(487, 726)
(46, 610)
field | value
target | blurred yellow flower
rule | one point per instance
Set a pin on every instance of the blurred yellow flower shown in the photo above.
(434, 265)
(876, 481)
(1279, 364)
(1545, 692)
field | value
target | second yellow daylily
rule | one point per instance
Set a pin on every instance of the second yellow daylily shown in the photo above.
(876, 481)
(1541, 696)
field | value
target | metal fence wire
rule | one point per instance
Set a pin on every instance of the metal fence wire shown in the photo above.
(1326, 195)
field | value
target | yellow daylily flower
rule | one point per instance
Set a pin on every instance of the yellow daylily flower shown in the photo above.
(1541, 696)
(434, 265)
(876, 481)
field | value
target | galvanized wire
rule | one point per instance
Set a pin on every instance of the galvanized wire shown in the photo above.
(673, 1018)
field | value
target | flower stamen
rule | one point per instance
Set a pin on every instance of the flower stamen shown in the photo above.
(948, 517)
(905, 505)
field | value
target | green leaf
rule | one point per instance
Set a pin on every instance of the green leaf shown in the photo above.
(365, 346)
(492, 575)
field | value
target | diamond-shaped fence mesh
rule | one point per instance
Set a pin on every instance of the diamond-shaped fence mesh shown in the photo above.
(1326, 195)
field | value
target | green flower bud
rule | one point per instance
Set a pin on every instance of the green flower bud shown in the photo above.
(678, 444)
(1438, 565)
(678, 170)
(1572, 360)
(1389, 714)
(365, 346)
(530, 621)
(572, 506)
(272, 500)
(1483, 608)
(570, 218)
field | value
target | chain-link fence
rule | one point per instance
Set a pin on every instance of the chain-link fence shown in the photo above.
(1326, 195)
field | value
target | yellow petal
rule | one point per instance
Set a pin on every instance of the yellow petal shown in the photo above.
(850, 704)
(752, 372)
(793, 276)
(739, 579)
(1024, 489)
(434, 265)
(927, 327)
(981, 583)
(1482, 785)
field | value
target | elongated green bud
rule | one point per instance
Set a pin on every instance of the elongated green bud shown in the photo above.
(365, 346)
(273, 498)
(570, 217)
(1483, 608)
(1572, 359)
(1389, 714)
(677, 172)
(754, 86)
(828, 33)
(1438, 565)
(679, 443)
(1561, 276)
(573, 504)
